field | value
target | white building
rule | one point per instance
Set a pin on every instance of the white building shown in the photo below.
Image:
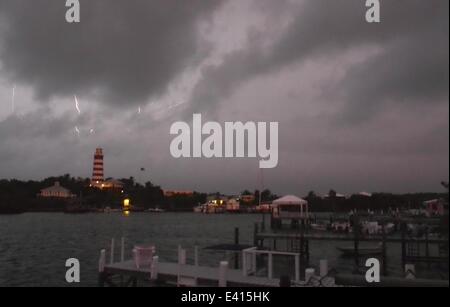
(56, 191)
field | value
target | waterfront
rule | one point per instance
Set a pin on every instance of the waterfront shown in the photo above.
(35, 246)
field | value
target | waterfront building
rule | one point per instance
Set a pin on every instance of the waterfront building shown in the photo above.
(112, 184)
(232, 205)
(56, 191)
(247, 198)
(338, 196)
(434, 207)
(171, 193)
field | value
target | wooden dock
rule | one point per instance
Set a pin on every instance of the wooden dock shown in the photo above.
(152, 272)
(169, 274)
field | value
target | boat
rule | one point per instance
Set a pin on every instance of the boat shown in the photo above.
(348, 251)
(198, 209)
(155, 210)
(209, 208)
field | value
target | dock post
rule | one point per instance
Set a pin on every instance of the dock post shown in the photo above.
(196, 255)
(255, 235)
(102, 261)
(236, 242)
(154, 268)
(323, 268)
(101, 268)
(263, 224)
(309, 274)
(254, 266)
(410, 271)
(236, 235)
(181, 255)
(427, 248)
(122, 249)
(307, 251)
(244, 263)
(403, 229)
(270, 265)
(383, 255)
(356, 241)
(223, 273)
(111, 258)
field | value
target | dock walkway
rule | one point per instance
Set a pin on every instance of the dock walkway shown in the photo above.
(205, 276)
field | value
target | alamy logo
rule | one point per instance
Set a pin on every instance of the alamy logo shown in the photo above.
(73, 13)
(373, 13)
(73, 273)
(373, 273)
(229, 143)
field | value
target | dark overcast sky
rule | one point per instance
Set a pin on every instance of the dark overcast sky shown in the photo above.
(361, 107)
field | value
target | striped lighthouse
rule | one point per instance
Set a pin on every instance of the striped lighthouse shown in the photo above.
(97, 173)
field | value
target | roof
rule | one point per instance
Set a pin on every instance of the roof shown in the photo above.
(365, 194)
(114, 181)
(338, 195)
(290, 200)
(56, 188)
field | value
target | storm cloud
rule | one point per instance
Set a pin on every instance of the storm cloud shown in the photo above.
(360, 106)
(412, 63)
(123, 53)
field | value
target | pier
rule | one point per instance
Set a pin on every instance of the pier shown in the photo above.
(154, 272)
(157, 273)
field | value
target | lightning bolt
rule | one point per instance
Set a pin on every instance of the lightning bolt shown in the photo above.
(76, 104)
(77, 130)
(139, 110)
(13, 98)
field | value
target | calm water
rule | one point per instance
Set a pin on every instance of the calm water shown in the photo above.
(35, 246)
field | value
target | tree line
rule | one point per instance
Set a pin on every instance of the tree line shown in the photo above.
(21, 196)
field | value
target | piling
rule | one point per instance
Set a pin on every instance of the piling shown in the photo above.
(236, 242)
(101, 268)
(427, 248)
(122, 249)
(383, 254)
(255, 235)
(356, 241)
(323, 267)
(111, 258)
(223, 274)
(403, 230)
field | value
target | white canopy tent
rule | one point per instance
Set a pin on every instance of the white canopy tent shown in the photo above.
(291, 200)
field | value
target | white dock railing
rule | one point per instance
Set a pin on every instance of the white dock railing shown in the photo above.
(249, 261)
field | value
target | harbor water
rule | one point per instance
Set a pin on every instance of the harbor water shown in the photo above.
(34, 247)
